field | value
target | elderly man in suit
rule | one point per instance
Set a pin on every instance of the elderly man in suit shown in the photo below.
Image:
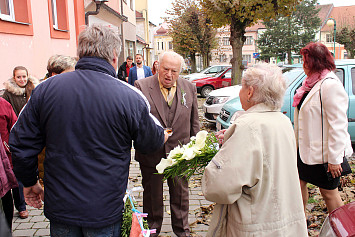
(139, 71)
(173, 102)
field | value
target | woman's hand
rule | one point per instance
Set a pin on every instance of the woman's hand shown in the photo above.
(220, 136)
(335, 170)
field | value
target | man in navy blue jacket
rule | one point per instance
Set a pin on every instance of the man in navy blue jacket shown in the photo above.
(87, 120)
(139, 71)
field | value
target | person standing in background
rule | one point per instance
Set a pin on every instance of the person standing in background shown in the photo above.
(174, 103)
(123, 71)
(18, 90)
(155, 67)
(57, 64)
(139, 71)
(7, 119)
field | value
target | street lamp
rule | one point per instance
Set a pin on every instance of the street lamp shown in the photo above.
(331, 22)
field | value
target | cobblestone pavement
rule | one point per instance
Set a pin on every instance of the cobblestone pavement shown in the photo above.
(38, 225)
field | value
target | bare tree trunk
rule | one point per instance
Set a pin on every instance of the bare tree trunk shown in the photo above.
(205, 60)
(193, 62)
(289, 57)
(237, 40)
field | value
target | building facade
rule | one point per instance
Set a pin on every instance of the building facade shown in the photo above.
(32, 31)
(162, 41)
(344, 16)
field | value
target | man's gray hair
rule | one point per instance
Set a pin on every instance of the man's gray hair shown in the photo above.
(99, 41)
(59, 63)
(174, 55)
(268, 83)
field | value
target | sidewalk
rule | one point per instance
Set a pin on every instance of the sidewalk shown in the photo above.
(37, 225)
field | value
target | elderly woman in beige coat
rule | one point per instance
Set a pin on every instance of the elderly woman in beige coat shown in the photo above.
(253, 178)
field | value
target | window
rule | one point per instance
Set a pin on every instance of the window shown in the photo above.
(228, 74)
(213, 70)
(222, 58)
(249, 40)
(162, 45)
(340, 74)
(130, 48)
(58, 19)
(328, 38)
(345, 55)
(353, 78)
(225, 41)
(54, 14)
(247, 57)
(170, 45)
(157, 45)
(132, 4)
(7, 10)
(16, 17)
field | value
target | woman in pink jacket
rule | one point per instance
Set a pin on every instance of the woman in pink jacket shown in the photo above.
(7, 120)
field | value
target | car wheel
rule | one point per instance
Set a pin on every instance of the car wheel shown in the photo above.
(205, 91)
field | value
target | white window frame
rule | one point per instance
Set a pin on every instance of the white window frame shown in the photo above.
(226, 41)
(11, 16)
(54, 14)
(246, 57)
(329, 38)
(248, 40)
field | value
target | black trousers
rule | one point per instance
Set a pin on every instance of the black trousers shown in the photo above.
(19, 199)
(8, 207)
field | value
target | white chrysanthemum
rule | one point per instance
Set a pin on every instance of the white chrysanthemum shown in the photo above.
(163, 164)
(200, 139)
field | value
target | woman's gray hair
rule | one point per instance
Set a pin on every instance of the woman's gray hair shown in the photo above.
(174, 55)
(99, 41)
(60, 63)
(268, 83)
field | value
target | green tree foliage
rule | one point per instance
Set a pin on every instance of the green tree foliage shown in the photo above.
(240, 14)
(192, 31)
(291, 33)
(346, 36)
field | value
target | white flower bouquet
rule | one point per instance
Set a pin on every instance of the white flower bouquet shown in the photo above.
(191, 158)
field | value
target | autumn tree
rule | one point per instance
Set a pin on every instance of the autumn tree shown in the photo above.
(240, 14)
(346, 36)
(191, 31)
(289, 34)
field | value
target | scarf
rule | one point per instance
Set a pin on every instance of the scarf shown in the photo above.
(308, 84)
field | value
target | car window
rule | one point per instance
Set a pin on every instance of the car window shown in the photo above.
(219, 74)
(353, 78)
(228, 74)
(340, 73)
(205, 70)
(213, 70)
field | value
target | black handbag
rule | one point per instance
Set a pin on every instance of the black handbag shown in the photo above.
(344, 165)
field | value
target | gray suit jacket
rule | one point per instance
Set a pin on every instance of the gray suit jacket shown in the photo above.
(185, 123)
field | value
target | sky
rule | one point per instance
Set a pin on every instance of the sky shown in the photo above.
(157, 8)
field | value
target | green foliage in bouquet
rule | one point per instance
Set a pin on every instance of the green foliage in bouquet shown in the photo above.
(127, 219)
(191, 158)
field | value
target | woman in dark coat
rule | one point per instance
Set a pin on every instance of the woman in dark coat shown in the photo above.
(18, 90)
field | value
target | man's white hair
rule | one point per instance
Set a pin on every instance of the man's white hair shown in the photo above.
(174, 55)
(268, 83)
